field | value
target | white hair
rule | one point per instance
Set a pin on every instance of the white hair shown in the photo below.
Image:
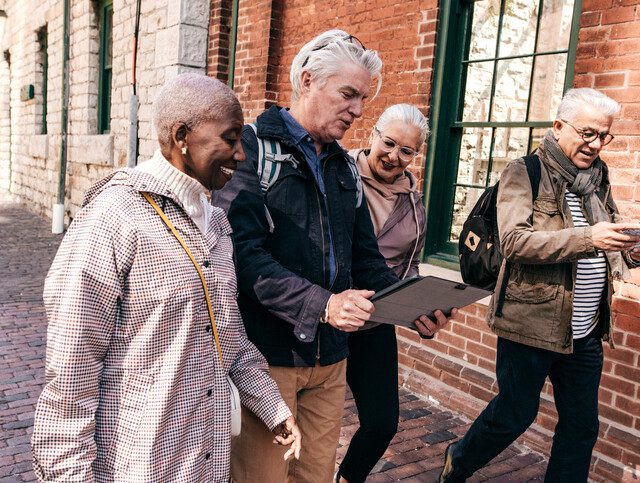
(409, 115)
(192, 99)
(575, 99)
(326, 54)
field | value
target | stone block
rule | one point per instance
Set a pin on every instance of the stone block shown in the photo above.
(91, 149)
(185, 45)
(39, 146)
(189, 12)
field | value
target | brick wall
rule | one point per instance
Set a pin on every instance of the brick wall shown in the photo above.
(457, 368)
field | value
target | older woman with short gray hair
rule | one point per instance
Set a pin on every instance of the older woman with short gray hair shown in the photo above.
(144, 334)
(398, 218)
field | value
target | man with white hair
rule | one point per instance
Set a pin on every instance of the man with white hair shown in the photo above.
(304, 238)
(562, 251)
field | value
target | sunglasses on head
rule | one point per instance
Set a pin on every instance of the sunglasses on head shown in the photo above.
(350, 39)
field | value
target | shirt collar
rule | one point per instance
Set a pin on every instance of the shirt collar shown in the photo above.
(298, 133)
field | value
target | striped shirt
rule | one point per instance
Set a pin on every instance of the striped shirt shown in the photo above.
(590, 279)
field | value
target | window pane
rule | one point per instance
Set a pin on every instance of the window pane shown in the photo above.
(548, 83)
(555, 24)
(477, 92)
(512, 89)
(509, 143)
(518, 33)
(464, 200)
(474, 156)
(484, 29)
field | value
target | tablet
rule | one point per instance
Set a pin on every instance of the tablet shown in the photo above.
(405, 301)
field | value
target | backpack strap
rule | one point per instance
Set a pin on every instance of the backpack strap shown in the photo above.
(270, 158)
(534, 171)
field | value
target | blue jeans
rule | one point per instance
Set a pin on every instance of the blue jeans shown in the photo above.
(521, 371)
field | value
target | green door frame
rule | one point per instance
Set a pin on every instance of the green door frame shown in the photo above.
(453, 39)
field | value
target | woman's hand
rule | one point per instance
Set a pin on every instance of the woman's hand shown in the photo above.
(428, 328)
(288, 433)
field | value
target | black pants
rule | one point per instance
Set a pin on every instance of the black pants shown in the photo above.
(521, 371)
(372, 375)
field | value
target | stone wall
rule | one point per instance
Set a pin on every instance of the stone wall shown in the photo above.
(172, 39)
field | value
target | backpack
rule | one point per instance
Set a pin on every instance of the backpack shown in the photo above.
(270, 159)
(479, 243)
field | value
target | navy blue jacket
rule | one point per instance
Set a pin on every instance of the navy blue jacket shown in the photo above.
(282, 278)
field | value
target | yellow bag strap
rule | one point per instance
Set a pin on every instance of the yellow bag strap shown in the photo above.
(195, 264)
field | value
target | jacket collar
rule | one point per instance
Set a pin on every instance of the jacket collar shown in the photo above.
(138, 180)
(271, 125)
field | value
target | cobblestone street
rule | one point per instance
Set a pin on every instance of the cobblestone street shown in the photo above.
(28, 247)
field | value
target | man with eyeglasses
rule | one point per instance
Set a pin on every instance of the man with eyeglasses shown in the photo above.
(302, 240)
(562, 252)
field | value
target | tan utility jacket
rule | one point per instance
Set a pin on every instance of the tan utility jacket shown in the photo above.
(539, 238)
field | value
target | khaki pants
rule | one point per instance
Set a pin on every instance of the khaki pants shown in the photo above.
(316, 398)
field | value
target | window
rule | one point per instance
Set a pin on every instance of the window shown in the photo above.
(105, 26)
(502, 68)
(43, 67)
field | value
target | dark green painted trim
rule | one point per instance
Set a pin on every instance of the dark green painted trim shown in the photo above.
(105, 74)
(234, 41)
(573, 45)
(514, 124)
(43, 40)
(511, 57)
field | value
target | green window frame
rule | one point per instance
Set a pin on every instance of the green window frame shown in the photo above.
(454, 65)
(105, 28)
(43, 54)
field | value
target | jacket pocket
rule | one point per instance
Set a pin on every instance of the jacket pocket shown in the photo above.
(546, 214)
(531, 293)
(133, 400)
(531, 310)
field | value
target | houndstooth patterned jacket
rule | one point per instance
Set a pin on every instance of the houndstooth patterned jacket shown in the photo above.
(134, 386)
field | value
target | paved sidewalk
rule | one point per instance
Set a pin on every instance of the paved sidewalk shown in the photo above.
(28, 247)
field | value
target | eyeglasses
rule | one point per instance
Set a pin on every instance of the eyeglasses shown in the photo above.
(350, 39)
(405, 153)
(589, 135)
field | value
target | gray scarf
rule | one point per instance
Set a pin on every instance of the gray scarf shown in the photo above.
(583, 182)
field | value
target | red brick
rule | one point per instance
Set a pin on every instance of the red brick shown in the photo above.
(625, 306)
(627, 372)
(620, 354)
(610, 80)
(617, 385)
(595, 5)
(481, 350)
(624, 438)
(589, 19)
(630, 406)
(616, 415)
(618, 15)
(608, 449)
(626, 30)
